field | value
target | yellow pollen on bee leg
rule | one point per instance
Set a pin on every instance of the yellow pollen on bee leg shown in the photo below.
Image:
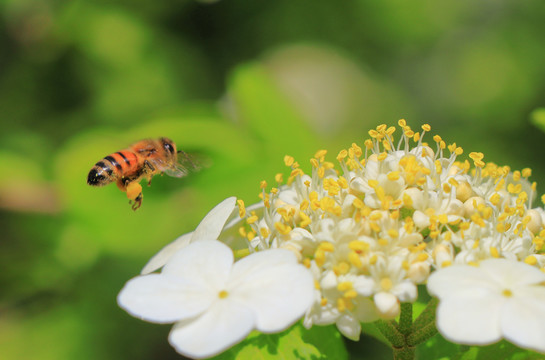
(507, 293)
(133, 190)
(223, 294)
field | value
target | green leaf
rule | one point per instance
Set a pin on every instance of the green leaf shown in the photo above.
(319, 342)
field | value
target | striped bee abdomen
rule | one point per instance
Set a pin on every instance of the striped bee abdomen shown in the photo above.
(112, 167)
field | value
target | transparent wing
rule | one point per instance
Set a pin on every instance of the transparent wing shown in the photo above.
(185, 165)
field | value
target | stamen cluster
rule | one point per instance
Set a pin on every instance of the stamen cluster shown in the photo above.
(373, 225)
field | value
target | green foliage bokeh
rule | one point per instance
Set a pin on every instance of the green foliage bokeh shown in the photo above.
(239, 84)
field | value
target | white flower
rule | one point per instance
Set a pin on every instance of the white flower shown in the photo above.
(498, 299)
(214, 302)
(209, 228)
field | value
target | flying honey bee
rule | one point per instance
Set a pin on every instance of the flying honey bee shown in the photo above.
(141, 160)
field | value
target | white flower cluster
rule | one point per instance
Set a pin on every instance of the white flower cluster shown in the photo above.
(368, 231)
(373, 228)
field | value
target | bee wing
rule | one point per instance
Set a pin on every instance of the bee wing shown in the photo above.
(184, 166)
(178, 171)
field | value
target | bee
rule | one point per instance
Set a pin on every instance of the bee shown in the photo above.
(141, 160)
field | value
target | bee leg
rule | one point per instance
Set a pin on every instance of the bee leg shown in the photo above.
(150, 169)
(134, 193)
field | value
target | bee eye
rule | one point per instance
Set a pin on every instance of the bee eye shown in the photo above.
(169, 148)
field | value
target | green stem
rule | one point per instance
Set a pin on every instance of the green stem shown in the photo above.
(406, 335)
(427, 315)
(390, 331)
(406, 319)
(422, 335)
(404, 353)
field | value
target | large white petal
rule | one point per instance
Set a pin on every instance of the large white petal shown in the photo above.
(211, 225)
(470, 320)
(275, 286)
(522, 319)
(222, 326)
(460, 279)
(162, 299)
(209, 228)
(207, 261)
(512, 272)
(161, 258)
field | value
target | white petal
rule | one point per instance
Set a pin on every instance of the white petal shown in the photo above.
(275, 286)
(522, 319)
(349, 326)
(206, 261)
(209, 228)
(470, 320)
(364, 285)
(212, 224)
(329, 280)
(512, 272)
(459, 279)
(161, 258)
(225, 324)
(162, 299)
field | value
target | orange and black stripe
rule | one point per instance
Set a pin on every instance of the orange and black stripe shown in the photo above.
(112, 167)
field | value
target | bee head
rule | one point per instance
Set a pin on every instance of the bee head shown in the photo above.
(169, 147)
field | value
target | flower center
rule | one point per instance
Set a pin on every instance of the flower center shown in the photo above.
(507, 293)
(223, 294)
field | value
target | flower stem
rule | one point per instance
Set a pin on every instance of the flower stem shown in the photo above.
(406, 319)
(406, 335)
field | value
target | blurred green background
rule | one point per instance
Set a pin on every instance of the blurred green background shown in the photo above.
(240, 84)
